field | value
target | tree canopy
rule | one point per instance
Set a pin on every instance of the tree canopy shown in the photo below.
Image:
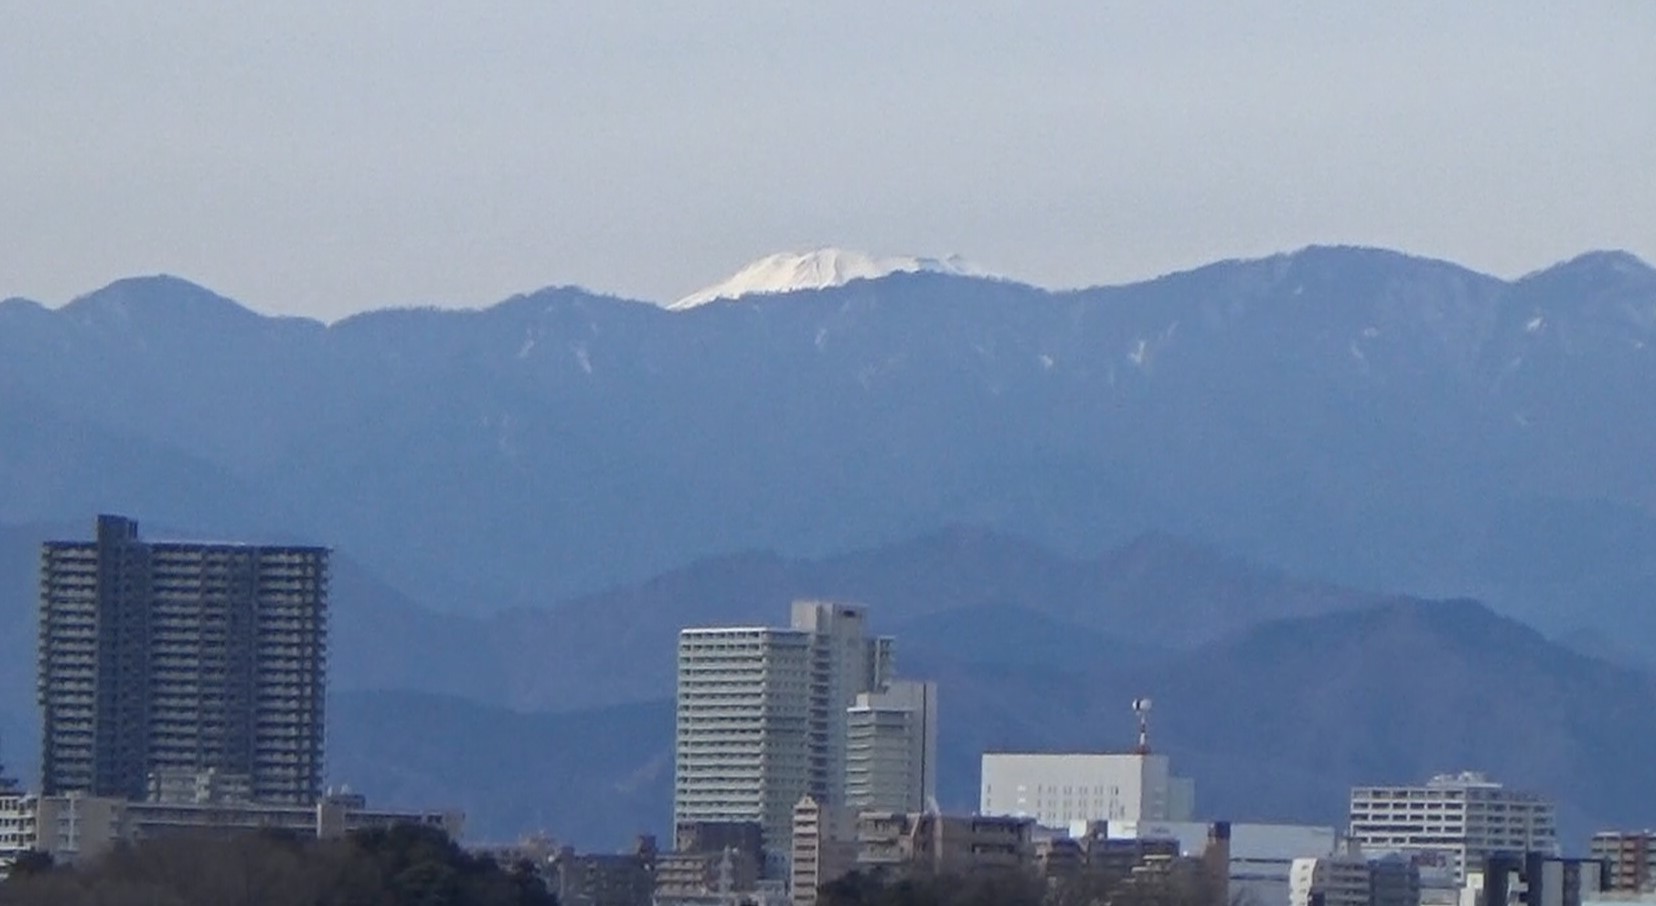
(401, 866)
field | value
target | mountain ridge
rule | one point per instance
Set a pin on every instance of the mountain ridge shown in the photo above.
(1253, 406)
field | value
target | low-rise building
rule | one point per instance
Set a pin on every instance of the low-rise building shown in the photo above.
(1631, 858)
(824, 848)
(75, 827)
(1534, 879)
(17, 825)
(944, 844)
(1260, 857)
(1342, 879)
(1462, 818)
(606, 879)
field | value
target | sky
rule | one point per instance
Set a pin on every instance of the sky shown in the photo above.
(316, 157)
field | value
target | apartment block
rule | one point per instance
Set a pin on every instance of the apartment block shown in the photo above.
(165, 658)
(1630, 857)
(1459, 819)
(935, 844)
(891, 748)
(762, 716)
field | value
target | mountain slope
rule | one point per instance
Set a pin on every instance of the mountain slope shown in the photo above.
(1346, 413)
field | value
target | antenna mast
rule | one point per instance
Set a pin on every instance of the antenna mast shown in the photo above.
(1141, 709)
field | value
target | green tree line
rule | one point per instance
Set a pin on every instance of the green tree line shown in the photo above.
(400, 866)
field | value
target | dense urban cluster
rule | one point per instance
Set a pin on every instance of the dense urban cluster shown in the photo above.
(182, 687)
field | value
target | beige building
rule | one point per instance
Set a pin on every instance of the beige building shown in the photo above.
(944, 844)
(1631, 857)
(824, 848)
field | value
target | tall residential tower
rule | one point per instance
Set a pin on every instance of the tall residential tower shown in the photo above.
(762, 715)
(163, 660)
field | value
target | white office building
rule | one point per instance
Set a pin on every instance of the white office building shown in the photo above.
(1064, 789)
(1457, 820)
(891, 749)
(762, 715)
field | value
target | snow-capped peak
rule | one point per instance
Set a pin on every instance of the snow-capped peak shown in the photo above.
(788, 272)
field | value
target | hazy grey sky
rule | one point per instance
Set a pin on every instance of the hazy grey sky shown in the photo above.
(325, 157)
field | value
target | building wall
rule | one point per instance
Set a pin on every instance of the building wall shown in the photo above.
(1058, 790)
(824, 848)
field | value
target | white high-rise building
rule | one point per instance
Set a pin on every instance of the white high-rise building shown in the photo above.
(1063, 789)
(762, 715)
(891, 756)
(1459, 819)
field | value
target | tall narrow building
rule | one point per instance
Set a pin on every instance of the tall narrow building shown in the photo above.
(166, 659)
(762, 715)
(891, 756)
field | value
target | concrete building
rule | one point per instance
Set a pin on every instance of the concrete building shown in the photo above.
(1060, 790)
(606, 879)
(1259, 857)
(930, 843)
(1533, 879)
(1341, 879)
(1394, 880)
(891, 749)
(1094, 865)
(74, 827)
(762, 716)
(824, 848)
(1631, 857)
(181, 657)
(1460, 818)
(17, 824)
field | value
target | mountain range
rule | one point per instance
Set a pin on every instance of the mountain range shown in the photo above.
(1057, 500)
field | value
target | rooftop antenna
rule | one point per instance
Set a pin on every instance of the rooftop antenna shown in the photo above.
(1141, 709)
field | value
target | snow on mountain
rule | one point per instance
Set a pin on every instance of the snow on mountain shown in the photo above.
(788, 272)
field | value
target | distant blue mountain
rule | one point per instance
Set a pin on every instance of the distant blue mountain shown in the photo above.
(1349, 413)
(528, 500)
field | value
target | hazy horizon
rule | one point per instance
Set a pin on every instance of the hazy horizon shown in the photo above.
(321, 160)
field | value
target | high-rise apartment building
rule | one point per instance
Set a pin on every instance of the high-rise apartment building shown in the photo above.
(166, 659)
(1461, 819)
(762, 715)
(891, 749)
